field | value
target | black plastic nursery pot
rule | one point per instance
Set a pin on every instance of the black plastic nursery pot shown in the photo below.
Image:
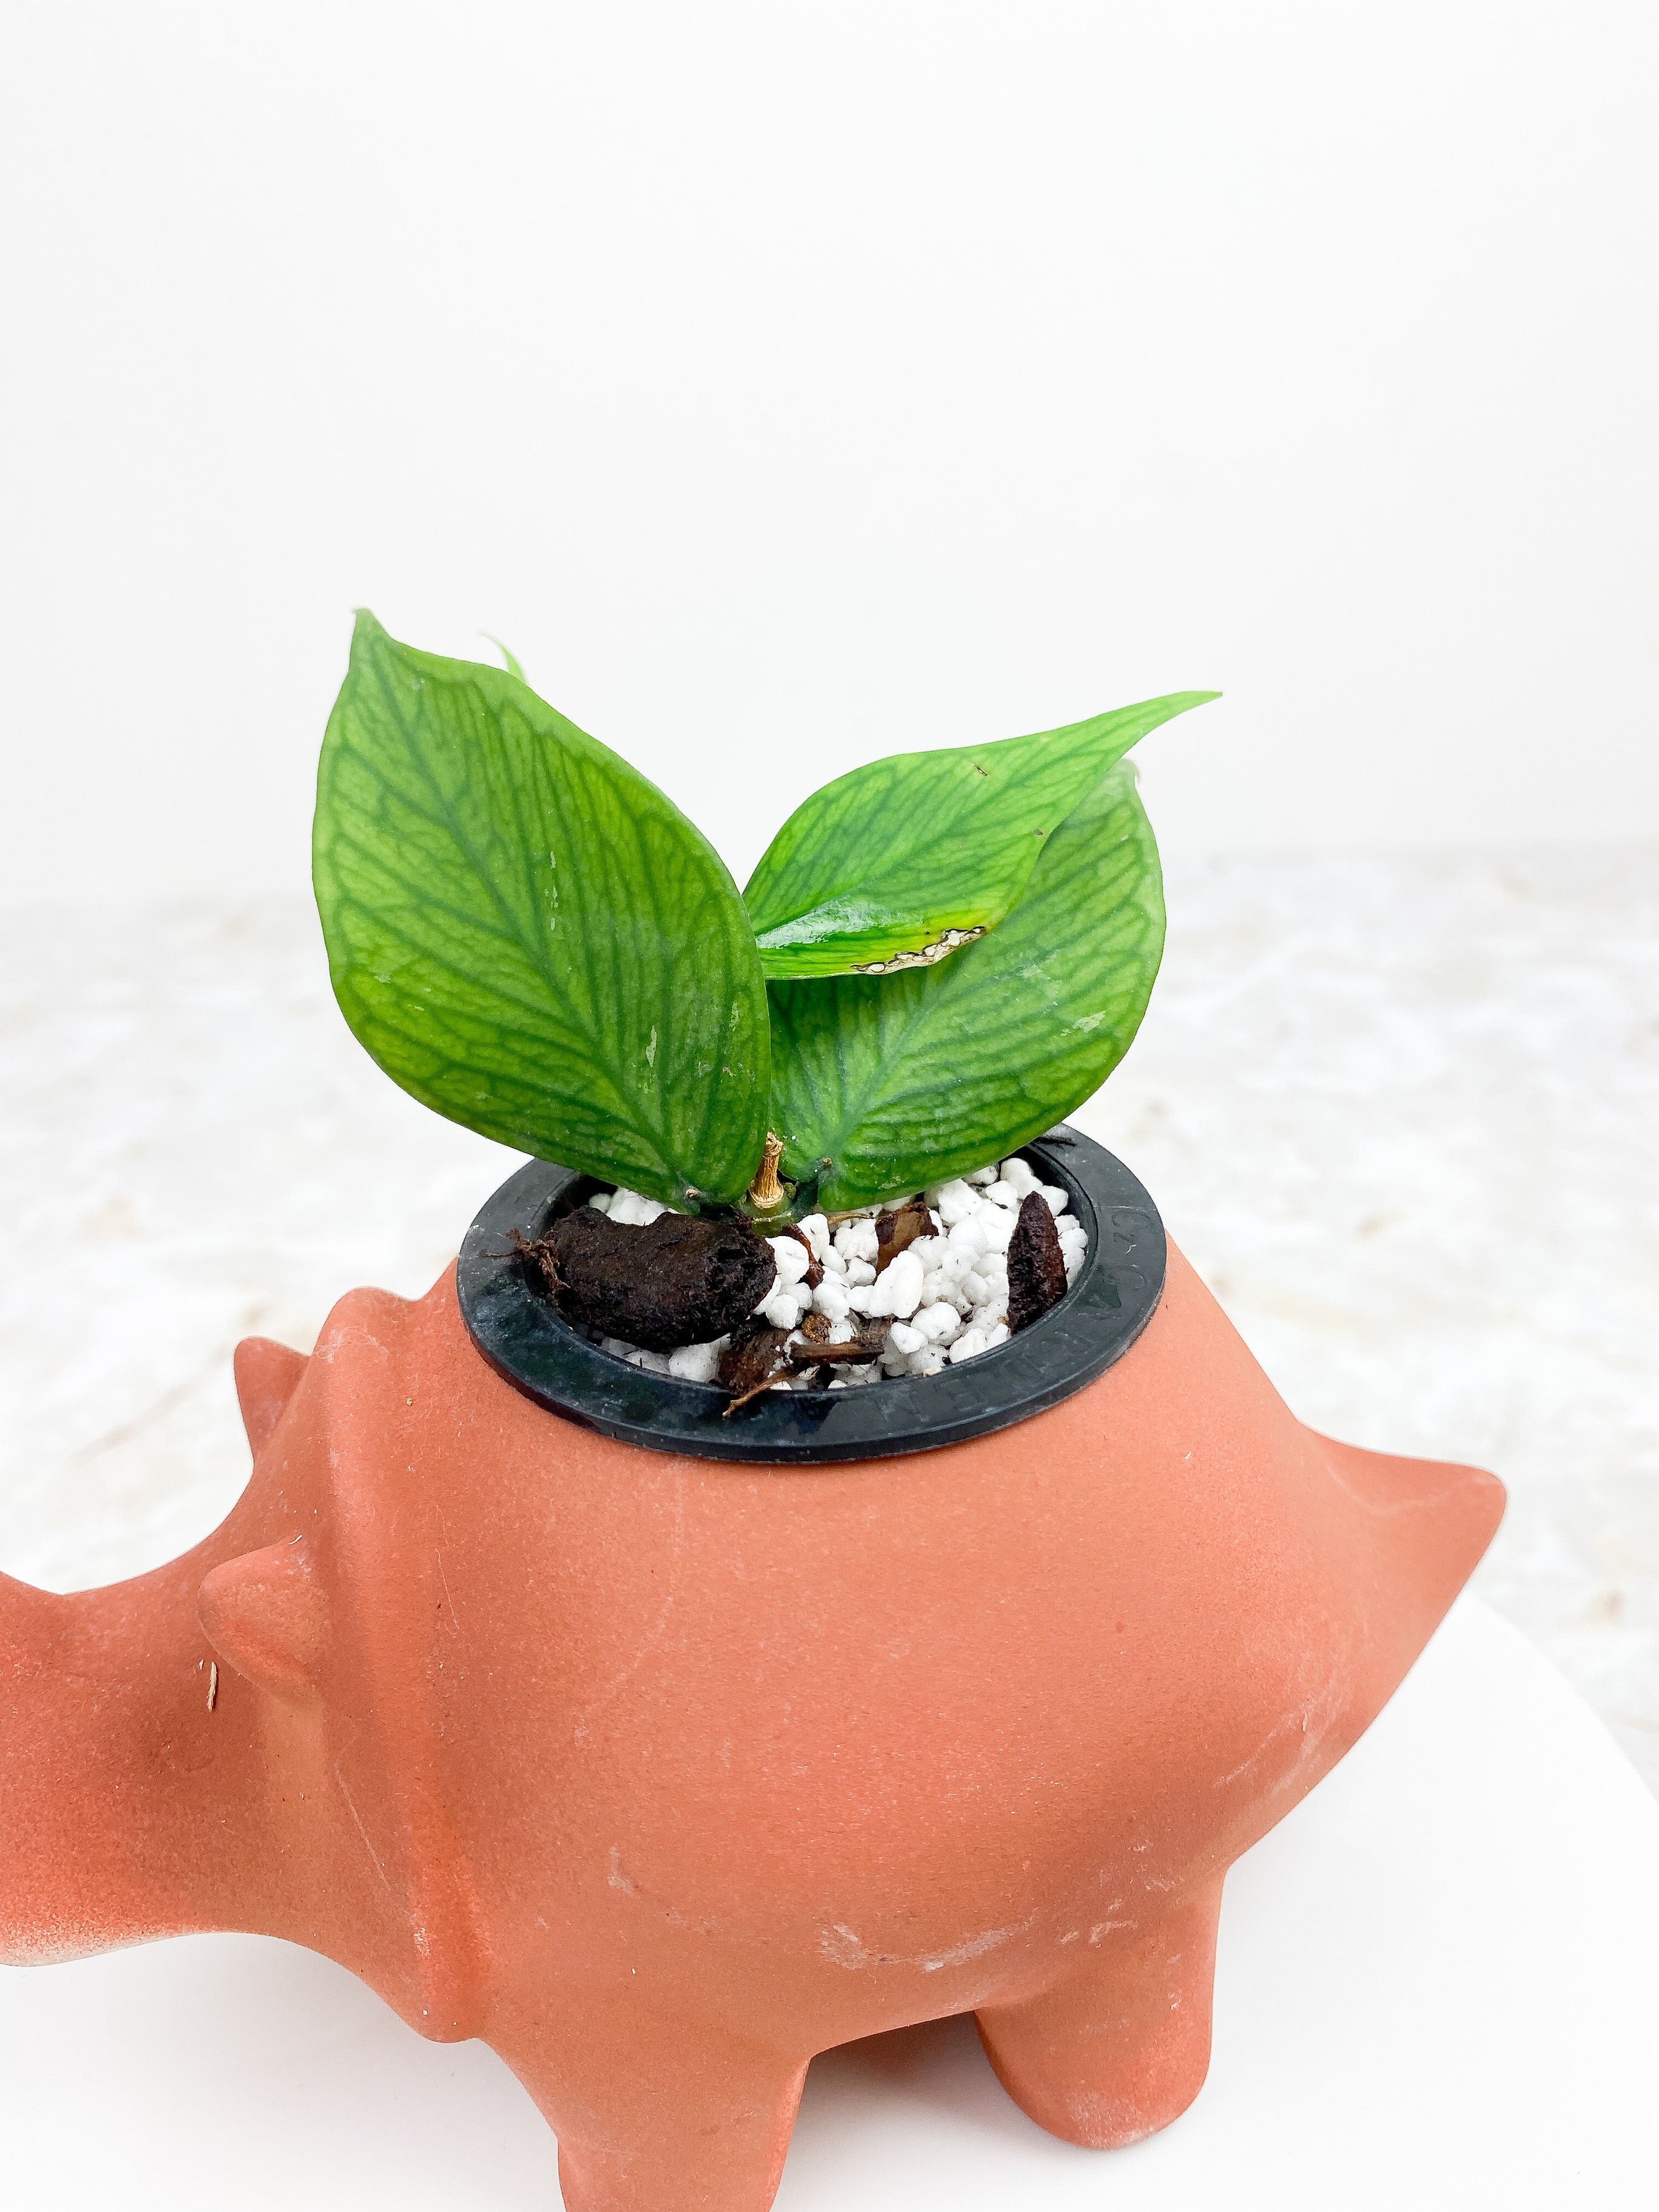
(515, 1326)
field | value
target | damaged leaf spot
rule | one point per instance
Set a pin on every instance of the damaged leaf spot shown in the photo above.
(929, 955)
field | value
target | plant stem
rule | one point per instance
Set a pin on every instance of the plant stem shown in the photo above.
(766, 1193)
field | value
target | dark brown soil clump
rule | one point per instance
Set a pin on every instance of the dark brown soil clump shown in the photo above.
(1036, 1265)
(675, 1280)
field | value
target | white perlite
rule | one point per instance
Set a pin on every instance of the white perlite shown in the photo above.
(946, 1295)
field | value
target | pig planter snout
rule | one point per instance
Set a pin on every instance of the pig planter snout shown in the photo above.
(663, 1774)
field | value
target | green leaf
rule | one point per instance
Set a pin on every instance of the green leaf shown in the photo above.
(893, 866)
(885, 1085)
(528, 936)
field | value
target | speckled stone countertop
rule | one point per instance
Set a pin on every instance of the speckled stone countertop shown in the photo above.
(1402, 1113)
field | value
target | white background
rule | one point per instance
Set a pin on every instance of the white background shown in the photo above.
(791, 383)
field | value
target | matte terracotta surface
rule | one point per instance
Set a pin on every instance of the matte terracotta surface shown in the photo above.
(662, 1775)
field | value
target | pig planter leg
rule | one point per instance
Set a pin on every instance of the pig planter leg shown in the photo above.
(1121, 2047)
(661, 2115)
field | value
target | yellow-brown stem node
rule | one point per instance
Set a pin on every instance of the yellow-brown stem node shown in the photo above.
(766, 1192)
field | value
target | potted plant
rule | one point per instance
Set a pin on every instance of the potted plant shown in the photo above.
(666, 1724)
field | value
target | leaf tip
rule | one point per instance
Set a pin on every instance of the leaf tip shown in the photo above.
(506, 652)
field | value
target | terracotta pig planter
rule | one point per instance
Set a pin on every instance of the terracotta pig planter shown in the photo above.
(662, 1774)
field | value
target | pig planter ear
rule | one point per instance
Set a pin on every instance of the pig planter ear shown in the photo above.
(267, 1376)
(662, 1773)
(266, 1614)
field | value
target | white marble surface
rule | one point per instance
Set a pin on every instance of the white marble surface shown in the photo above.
(1401, 1112)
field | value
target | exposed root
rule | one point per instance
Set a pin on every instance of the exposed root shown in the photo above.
(756, 1357)
(814, 1274)
(542, 1253)
(759, 1355)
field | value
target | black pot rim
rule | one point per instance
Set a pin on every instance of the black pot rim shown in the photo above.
(516, 1329)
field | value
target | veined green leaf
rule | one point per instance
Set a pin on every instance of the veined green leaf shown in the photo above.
(882, 1085)
(898, 864)
(528, 936)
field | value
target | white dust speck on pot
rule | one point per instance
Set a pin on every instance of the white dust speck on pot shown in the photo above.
(946, 1294)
